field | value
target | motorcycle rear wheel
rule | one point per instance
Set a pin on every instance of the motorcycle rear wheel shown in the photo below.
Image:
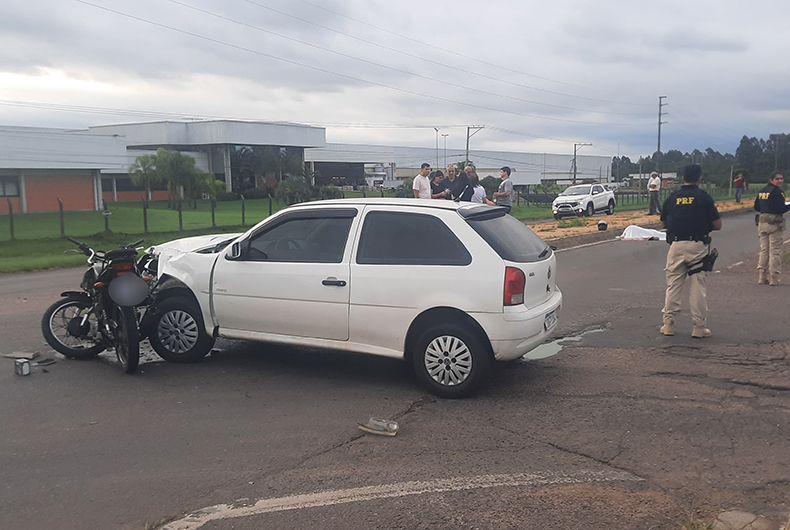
(54, 327)
(126, 338)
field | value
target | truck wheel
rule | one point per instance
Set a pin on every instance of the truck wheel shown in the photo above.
(610, 208)
(177, 332)
(450, 361)
(590, 211)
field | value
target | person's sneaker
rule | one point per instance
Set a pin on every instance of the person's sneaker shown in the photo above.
(701, 333)
(763, 280)
(667, 329)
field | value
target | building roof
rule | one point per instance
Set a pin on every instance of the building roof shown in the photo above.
(44, 148)
(214, 132)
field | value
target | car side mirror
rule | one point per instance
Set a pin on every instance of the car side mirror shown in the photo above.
(234, 253)
(595, 193)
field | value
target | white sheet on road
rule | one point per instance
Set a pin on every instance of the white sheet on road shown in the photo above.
(637, 233)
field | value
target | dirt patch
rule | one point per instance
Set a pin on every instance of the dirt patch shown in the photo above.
(574, 236)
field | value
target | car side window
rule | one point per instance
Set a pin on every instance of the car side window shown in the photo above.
(308, 240)
(597, 189)
(401, 238)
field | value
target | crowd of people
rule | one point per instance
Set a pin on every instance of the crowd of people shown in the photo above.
(465, 187)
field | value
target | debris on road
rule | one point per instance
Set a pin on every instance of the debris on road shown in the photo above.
(379, 426)
(29, 355)
(45, 362)
(22, 367)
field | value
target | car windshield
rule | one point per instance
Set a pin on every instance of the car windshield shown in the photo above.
(577, 190)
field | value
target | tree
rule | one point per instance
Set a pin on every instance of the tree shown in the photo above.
(293, 190)
(491, 184)
(181, 174)
(143, 172)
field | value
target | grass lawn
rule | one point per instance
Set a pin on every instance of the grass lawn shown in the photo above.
(37, 254)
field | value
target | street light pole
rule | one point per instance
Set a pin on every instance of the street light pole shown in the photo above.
(437, 146)
(574, 159)
(445, 135)
(469, 134)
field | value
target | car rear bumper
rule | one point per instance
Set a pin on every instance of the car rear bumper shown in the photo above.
(514, 334)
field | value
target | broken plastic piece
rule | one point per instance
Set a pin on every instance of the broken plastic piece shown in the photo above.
(379, 426)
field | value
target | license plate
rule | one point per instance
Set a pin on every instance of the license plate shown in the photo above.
(550, 321)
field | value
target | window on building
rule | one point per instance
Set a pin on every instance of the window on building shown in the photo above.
(9, 187)
(106, 185)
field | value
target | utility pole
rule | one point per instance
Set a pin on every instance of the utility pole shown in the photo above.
(661, 105)
(437, 147)
(574, 159)
(468, 136)
(445, 135)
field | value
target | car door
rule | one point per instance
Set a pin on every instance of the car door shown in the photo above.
(291, 277)
(599, 198)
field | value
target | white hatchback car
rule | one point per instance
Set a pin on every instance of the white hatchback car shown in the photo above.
(448, 286)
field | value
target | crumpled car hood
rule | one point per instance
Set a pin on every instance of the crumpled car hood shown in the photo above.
(190, 244)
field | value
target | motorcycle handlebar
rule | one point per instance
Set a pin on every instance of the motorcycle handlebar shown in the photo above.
(83, 247)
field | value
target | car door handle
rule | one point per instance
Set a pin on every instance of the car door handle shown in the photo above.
(333, 281)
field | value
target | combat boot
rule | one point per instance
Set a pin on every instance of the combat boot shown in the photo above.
(763, 280)
(700, 333)
(775, 281)
(668, 329)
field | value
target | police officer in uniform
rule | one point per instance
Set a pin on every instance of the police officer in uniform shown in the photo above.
(770, 202)
(688, 214)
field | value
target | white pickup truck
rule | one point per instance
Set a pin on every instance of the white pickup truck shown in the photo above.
(583, 199)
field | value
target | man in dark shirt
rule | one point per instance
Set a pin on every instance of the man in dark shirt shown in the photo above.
(770, 202)
(688, 214)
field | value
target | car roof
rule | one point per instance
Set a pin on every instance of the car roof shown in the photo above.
(422, 203)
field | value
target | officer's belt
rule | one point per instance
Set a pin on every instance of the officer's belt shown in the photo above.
(771, 218)
(701, 239)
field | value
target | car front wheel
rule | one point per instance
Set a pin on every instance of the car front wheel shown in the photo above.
(590, 210)
(451, 361)
(177, 332)
(610, 208)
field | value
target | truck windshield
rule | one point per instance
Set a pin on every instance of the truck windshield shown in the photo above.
(577, 190)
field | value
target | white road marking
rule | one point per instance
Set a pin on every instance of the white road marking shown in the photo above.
(197, 519)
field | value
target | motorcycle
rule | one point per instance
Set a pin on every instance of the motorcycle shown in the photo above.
(84, 323)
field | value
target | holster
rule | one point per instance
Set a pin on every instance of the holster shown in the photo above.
(706, 265)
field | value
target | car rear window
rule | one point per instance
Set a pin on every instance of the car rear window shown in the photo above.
(510, 238)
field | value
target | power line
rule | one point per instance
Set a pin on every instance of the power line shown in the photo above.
(421, 58)
(392, 68)
(318, 69)
(412, 39)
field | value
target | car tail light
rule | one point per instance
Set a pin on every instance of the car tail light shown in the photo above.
(515, 282)
(122, 266)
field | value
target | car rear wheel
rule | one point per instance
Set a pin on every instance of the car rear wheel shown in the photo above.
(451, 361)
(177, 332)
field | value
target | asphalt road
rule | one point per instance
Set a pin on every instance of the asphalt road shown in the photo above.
(623, 429)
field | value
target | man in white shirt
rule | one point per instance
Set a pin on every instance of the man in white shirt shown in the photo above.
(654, 191)
(422, 184)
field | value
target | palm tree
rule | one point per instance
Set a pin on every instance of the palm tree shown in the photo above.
(143, 172)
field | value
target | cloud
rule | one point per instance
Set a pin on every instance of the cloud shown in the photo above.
(592, 71)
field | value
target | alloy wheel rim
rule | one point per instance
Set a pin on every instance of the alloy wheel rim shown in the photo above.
(177, 331)
(448, 360)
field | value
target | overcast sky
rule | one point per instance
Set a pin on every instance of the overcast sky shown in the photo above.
(538, 75)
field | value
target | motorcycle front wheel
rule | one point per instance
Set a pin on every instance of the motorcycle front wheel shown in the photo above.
(64, 330)
(126, 338)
